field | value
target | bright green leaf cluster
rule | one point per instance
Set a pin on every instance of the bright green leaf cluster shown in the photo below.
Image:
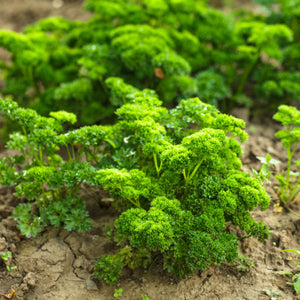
(42, 175)
(182, 184)
(289, 181)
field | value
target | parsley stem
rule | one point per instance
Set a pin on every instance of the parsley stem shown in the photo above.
(73, 152)
(190, 176)
(246, 74)
(69, 153)
(41, 153)
(158, 168)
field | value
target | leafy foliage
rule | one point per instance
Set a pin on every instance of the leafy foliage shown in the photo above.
(295, 277)
(41, 175)
(284, 12)
(174, 175)
(181, 49)
(181, 188)
(265, 172)
(289, 181)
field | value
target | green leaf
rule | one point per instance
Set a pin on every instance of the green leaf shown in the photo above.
(268, 160)
(291, 250)
(297, 283)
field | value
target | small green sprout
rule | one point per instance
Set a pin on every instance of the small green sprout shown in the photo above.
(118, 293)
(272, 294)
(6, 257)
(294, 276)
(244, 262)
(265, 172)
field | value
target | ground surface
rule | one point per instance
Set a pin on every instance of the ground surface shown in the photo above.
(59, 264)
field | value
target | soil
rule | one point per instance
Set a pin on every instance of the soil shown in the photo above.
(59, 264)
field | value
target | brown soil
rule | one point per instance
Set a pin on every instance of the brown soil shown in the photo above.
(59, 264)
(15, 14)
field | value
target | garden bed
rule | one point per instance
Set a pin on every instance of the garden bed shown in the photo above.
(59, 264)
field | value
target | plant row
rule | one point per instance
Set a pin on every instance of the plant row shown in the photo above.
(179, 48)
(174, 175)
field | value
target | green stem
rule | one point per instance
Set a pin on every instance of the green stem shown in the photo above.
(290, 155)
(152, 263)
(33, 152)
(86, 155)
(93, 154)
(26, 157)
(295, 187)
(292, 198)
(43, 195)
(79, 154)
(135, 203)
(73, 152)
(196, 169)
(41, 153)
(295, 191)
(288, 167)
(289, 191)
(244, 237)
(53, 195)
(246, 74)
(75, 189)
(36, 157)
(69, 153)
(35, 85)
(189, 176)
(158, 168)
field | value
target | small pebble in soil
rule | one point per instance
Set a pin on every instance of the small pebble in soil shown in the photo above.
(30, 279)
(3, 245)
(57, 3)
(91, 285)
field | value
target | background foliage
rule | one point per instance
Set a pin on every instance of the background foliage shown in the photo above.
(180, 49)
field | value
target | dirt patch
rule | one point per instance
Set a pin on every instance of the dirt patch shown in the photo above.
(16, 14)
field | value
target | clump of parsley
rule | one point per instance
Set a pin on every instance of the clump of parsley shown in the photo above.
(175, 176)
(48, 180)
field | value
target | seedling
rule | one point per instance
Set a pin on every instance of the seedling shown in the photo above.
(118, 293)
(295, 277)
(6, 257)
(244, 262)
(265, 172)
(289, 180)
(272, 295)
